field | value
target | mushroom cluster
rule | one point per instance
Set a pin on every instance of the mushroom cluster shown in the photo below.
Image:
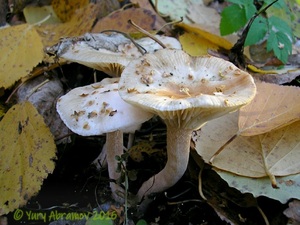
(98, 109)
(185, 92)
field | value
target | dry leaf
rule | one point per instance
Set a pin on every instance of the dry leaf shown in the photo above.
(293, 211)
(145, 4)
(35, 14)
(26, 153)
(21, 49)
(288, 186)
(196, 45)
(279, 76)
(270, 154)
(197, 41)
(118, 20)
(274, 106)
(81, 22)
(43, 94)
(65, 9)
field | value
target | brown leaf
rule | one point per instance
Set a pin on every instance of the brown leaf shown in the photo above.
(274, 106)
(118, 20)
(275, 153)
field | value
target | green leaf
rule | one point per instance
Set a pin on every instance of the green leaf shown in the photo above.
(280, 44)
(257, 31)
(233, 18)
(280, 25)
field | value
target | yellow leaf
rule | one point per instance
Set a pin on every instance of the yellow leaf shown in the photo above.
(196, 45)
(274, 106)
(65, 8)
(202, 37)
(35, 14)
(81, 22)
(27, 149)
(21, 49)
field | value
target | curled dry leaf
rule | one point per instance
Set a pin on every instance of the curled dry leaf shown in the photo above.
(21, 49)
(26, 153)
(293, 211)
(274, 106)
(43, 93)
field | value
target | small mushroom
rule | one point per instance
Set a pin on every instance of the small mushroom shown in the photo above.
(98, 109)
(185, 92)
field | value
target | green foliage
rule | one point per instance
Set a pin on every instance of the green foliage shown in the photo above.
(274, 26)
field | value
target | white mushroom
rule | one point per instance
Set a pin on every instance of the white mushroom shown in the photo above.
(109, 53)
(185, 92)
(97, 109)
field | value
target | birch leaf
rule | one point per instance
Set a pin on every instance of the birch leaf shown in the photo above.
(274, 106)
(81, 22)
(275, 153)
(65, 8)
(27, 149)
(22, 50)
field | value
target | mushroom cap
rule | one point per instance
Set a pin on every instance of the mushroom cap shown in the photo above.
(109, 53)
(97, 109)
(185, 91)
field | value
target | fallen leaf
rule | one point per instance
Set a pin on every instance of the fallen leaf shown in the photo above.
(35, 14)
(280, 76)
(293, 211)
(65, 9)
(27, 149)
(21, 49)
(274, 106)
(160, 22)
(118, 20)
(43, 94)
(81, 22)
(175, 9)
(197, 41)
(196, 45)
(275, 153)
(288, 186)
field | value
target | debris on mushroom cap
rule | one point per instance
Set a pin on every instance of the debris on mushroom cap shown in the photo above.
(97, 108)
(109, 53)
(183, 90)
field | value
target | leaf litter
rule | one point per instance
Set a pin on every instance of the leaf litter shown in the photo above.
(264, 141)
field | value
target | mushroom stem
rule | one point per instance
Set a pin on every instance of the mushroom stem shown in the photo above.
(178, 149)
(114, 144)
